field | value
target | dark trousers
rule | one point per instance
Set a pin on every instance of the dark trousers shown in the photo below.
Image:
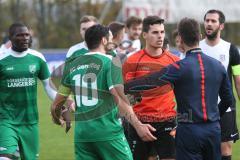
(198, 141)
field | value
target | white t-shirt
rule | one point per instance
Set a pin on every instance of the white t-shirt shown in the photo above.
(135, 44)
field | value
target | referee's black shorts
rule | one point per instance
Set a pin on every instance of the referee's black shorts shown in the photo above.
(164, 145)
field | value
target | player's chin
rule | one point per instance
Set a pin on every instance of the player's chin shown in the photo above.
(157, 45)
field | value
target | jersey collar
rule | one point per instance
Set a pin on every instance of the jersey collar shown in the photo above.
(195, 50)
(18, 54)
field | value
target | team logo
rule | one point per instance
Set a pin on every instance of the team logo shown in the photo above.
(222, 57)
(32, 68)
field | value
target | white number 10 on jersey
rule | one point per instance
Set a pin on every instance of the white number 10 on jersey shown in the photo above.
(84, 84)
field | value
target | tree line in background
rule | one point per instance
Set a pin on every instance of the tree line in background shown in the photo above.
(56, 22)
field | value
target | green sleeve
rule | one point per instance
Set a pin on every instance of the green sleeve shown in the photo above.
(236, 70)
(44, 71)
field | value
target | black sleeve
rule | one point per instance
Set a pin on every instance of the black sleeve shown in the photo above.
(234, 55)
(167, 75)
(225, 94)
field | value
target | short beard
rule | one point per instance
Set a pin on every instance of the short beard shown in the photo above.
(18, 49)
(212, 36)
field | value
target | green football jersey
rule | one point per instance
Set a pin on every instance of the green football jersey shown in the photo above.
(76, 50)
(91, 77)
(18, 83)
(80, 49)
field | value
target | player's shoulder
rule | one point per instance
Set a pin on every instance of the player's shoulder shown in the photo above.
(4, 55)
(202, 42)
(133, 57)
(36, 54)
(173, 57)
(75, 48)
(100, 55)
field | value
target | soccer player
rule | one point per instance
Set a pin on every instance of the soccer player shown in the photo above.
(133, 33)
(227, 53)
(20, 67)
(118, 30)
(98, 91)
(81, 48)
(198, 80)
(158, 110)
(176, 39)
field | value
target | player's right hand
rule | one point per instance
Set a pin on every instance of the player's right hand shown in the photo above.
(56, 112)
(144, 132)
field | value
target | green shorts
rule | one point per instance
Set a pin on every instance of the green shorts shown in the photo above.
(22, 137)
(117, 149)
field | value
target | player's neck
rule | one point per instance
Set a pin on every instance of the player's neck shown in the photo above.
(154, 52)
(18, 50)
(99, 49)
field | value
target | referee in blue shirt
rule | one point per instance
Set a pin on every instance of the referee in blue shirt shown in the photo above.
(197, 80)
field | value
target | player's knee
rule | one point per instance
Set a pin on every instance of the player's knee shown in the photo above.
(226, 148)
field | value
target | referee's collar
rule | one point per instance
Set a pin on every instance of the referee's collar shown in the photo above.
(194, 51)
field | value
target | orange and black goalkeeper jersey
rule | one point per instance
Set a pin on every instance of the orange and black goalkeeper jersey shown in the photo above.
(156, 104)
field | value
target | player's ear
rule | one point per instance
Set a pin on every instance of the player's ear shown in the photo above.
(144, 34)
(104, 41)
(222, 26)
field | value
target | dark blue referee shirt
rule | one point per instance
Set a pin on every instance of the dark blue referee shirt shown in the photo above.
(197, 80)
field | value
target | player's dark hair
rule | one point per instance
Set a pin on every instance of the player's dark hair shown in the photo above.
(94, 35)
(13, 27)
(220, 14)
(151, 20)
(115, 28)
(189, 31)
(133, 20)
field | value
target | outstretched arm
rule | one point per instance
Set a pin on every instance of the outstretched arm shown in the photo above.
(156, 79)
(143, 130)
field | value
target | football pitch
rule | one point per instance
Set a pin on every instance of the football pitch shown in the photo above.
(56, 144)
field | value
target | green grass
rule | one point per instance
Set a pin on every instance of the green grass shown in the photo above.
(55, 144)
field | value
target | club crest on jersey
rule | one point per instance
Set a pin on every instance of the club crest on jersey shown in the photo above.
(222, 57)
(32, 68)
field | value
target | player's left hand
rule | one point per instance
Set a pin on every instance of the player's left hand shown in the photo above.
(144, 132)
(173, 132)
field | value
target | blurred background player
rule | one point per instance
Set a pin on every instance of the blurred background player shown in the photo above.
(98, 132)
(80, 48)
(20, 67)
(166, 44)
(133, 32)
(152, 107)
(176, 39)
(118, 30)
(6, 44)
(228, 55)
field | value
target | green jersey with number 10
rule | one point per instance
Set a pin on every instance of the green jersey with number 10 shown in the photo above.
(91, 77)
